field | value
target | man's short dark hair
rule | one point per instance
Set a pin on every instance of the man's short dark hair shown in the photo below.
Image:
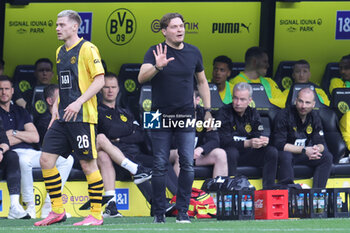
(302, 62)
(43, 60)
(164, 22)
(111, 75)
(49, 90)
(5, 78)
(254, 52)
(224, 59)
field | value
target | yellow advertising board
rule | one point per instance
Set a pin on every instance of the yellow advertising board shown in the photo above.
(124, 31)
(318, 32)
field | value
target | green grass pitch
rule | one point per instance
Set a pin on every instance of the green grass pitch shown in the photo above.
(144, 224)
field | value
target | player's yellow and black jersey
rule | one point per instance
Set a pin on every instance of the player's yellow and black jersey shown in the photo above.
(338, 83)
(344, 125)
(274, 94)
(77, 67)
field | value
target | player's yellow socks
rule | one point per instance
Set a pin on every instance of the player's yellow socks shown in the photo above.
(53, 186)
(95, 193)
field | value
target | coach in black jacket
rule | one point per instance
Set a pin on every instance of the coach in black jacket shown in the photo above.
(241, 136)
(298, 135)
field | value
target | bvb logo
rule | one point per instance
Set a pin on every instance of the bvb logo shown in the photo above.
(130, 85)
(199, 129)
(146, 105)
(287, 82)
(252, 104)
(24, 85)
(73, 60)
(343, 107)
(121, 26)
(309, 129)
(40, 106)
(248, 128)
(123, 118)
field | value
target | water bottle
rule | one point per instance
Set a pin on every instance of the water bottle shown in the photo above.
(220, 204)
(236, 204)
(300, 203)
(314, 203)
(339, 203)
(249, 205)
(243, 204)
(228, 205)
(320, 203)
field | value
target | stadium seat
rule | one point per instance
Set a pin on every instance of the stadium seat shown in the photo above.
(340, 101)
(261, 102)
(130, 87)
(283, 76)
(24, 78)
(331, 71)
(215, 99)
(295, 88)
(39, 105)
(332, 135)
(237, 67)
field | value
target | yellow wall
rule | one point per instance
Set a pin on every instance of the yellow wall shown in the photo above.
(306, 30)
(25, 42)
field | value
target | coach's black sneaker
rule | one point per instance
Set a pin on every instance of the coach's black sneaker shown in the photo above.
(111, 211)
(159, 218)
(182, 217)
(170, 207)
(142, 174)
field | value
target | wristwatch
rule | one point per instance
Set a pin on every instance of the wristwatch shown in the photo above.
(14, 132)
(207, 110)
(2, 150)
(303, 151)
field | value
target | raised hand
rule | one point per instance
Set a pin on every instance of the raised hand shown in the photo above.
(160, 56)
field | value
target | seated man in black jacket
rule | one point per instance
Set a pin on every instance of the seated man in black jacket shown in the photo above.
(118, 140)
(241, 136)
(298, 135)
(207, 151)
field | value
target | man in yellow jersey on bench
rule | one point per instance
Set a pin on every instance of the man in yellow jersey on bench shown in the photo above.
(256, 65)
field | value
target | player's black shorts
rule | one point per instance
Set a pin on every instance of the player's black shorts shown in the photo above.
(65, 138)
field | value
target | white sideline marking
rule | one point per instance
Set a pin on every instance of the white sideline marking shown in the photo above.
(172, 229)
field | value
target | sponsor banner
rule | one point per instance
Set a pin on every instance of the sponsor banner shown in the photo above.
(342, 30)
(314, 31)
(124, 31)
(122, 196)
(86, 25)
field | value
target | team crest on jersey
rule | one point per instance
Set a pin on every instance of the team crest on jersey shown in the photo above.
(309, 129)
(73, 60)
(40, 106)
(295, 129)
(123, 118)
(248, 128)
(234, 128)
(199, 129)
